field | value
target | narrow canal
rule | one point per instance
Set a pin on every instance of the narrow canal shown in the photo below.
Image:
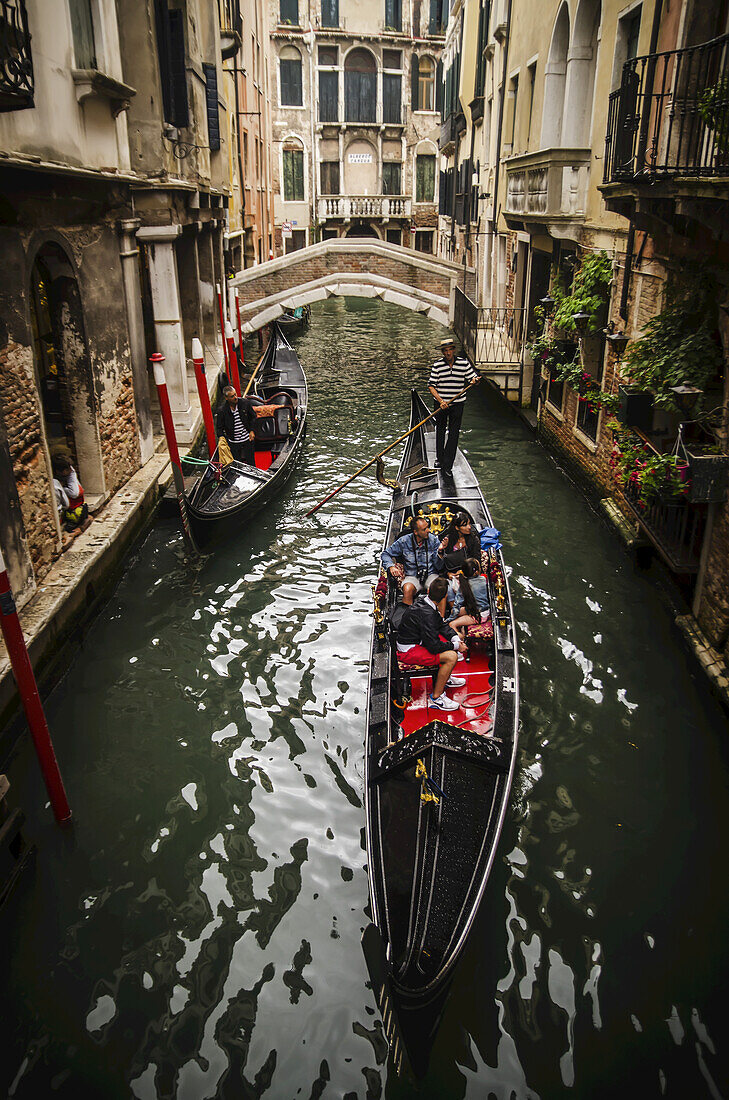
(197, 933)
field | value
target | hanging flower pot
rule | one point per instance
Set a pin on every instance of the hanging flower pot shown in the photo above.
(709, 475)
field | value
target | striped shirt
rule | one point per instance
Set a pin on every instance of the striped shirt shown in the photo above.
(448, 381)
(239, 434)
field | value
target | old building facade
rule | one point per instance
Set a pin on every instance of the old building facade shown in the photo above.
(113, 193)
(356, 94)
(585, 161)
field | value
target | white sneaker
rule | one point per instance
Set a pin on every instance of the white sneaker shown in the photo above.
(456, 682)
(442, 703)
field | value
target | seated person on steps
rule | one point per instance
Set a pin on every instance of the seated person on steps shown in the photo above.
(421, 565)
(471, 605)
(423, 638)
(72, 509)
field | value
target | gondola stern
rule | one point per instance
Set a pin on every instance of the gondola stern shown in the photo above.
(409, 1034)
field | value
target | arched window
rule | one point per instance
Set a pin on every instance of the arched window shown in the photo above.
(425, 173)
(293, 170)
(554, 81)
(291, 89)
(360, 87)
(580, 76)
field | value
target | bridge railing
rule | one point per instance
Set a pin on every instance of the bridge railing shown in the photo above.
(493, 338)
(363, 206)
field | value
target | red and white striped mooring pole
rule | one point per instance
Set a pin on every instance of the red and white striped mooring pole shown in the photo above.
(169, 426)
(202, 388)
(30, 698)
(232, 359)
(222, 325)
(240, 331)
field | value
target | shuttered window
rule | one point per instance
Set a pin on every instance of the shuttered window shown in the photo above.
(172, 70)
(328, 97)
(438, 17)
(393, 14)
(391, 178)
(360, 87)
(291, 90)
(330, 13)
(289, 12)
(425, 178)
(391, 97)
(211, 99)
(293, 173)
(330, 177)
(82, 29)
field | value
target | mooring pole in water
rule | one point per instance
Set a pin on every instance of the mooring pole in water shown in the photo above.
(202, 388)
(222, 327)
(232, 360)
(241, 357)
(30, 698)
(169, 426)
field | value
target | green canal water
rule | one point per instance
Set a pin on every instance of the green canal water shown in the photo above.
(197, 933)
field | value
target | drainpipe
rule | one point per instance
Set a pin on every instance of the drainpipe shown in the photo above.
(648, 88)
(314, 207)
(502, 103)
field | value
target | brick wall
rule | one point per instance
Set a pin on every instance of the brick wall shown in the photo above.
(713, 614)
(119, 437)
(22, 418)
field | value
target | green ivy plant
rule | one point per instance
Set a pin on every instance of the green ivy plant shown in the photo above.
(678, 345)
(713, 110)
(589, 294)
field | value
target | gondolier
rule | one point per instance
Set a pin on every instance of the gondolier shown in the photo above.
(448, 376)
(235, 423)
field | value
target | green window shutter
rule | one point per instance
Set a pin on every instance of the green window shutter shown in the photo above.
(211, 100)
(298, 176)
(425, 179)
(414, 82)
(82, 28)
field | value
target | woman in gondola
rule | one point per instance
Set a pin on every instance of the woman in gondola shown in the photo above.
(461, 542)
(471, 604)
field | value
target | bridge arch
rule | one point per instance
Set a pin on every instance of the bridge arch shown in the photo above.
(348, 267)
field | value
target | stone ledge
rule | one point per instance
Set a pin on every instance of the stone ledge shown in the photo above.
(711, 660)
(627, 531)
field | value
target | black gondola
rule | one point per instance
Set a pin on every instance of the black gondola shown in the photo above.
(295, 319)
(218, 504)
(437, 783)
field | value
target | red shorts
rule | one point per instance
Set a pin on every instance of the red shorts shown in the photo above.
(419, 655)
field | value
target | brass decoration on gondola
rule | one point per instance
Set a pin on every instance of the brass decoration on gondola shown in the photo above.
(426, 793)
(389, 483)
(439, 515)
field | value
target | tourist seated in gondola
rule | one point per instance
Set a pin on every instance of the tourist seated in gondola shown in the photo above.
(420, 562)
(460, 543)
(235, 423)
(424, 638)
(471, 605)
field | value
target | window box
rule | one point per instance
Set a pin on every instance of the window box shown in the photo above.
(636, 408)
(476, 106)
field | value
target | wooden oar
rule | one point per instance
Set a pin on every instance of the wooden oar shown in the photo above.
(250, 380)
(388, 448)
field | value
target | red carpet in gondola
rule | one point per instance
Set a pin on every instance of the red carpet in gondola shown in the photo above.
(475, 716)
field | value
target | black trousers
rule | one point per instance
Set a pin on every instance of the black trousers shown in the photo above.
(449, 420)
(243, 452)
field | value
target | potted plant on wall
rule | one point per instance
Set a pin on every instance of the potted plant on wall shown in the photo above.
(678, 346)
(646, 477)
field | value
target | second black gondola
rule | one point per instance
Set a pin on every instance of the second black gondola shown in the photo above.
(221, 501)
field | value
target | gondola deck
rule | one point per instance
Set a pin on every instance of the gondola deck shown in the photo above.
(438, 782)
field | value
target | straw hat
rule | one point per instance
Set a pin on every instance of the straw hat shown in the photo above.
(449, 342)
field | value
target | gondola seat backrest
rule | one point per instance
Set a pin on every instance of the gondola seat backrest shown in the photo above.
(272, 426)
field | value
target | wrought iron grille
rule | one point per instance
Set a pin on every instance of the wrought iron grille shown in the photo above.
(670, 116)
(16, 65)
(493, 338)
(675, 529)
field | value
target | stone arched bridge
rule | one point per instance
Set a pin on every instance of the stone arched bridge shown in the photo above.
(357, 267)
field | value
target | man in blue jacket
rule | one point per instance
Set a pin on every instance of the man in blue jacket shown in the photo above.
(420, 562)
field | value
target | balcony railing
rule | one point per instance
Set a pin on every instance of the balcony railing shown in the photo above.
(676, 530)
(344, 207)
(670, 116)
(16, 66)
(492, 338)
(550, 183)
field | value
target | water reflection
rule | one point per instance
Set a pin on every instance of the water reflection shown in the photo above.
(198, 934)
